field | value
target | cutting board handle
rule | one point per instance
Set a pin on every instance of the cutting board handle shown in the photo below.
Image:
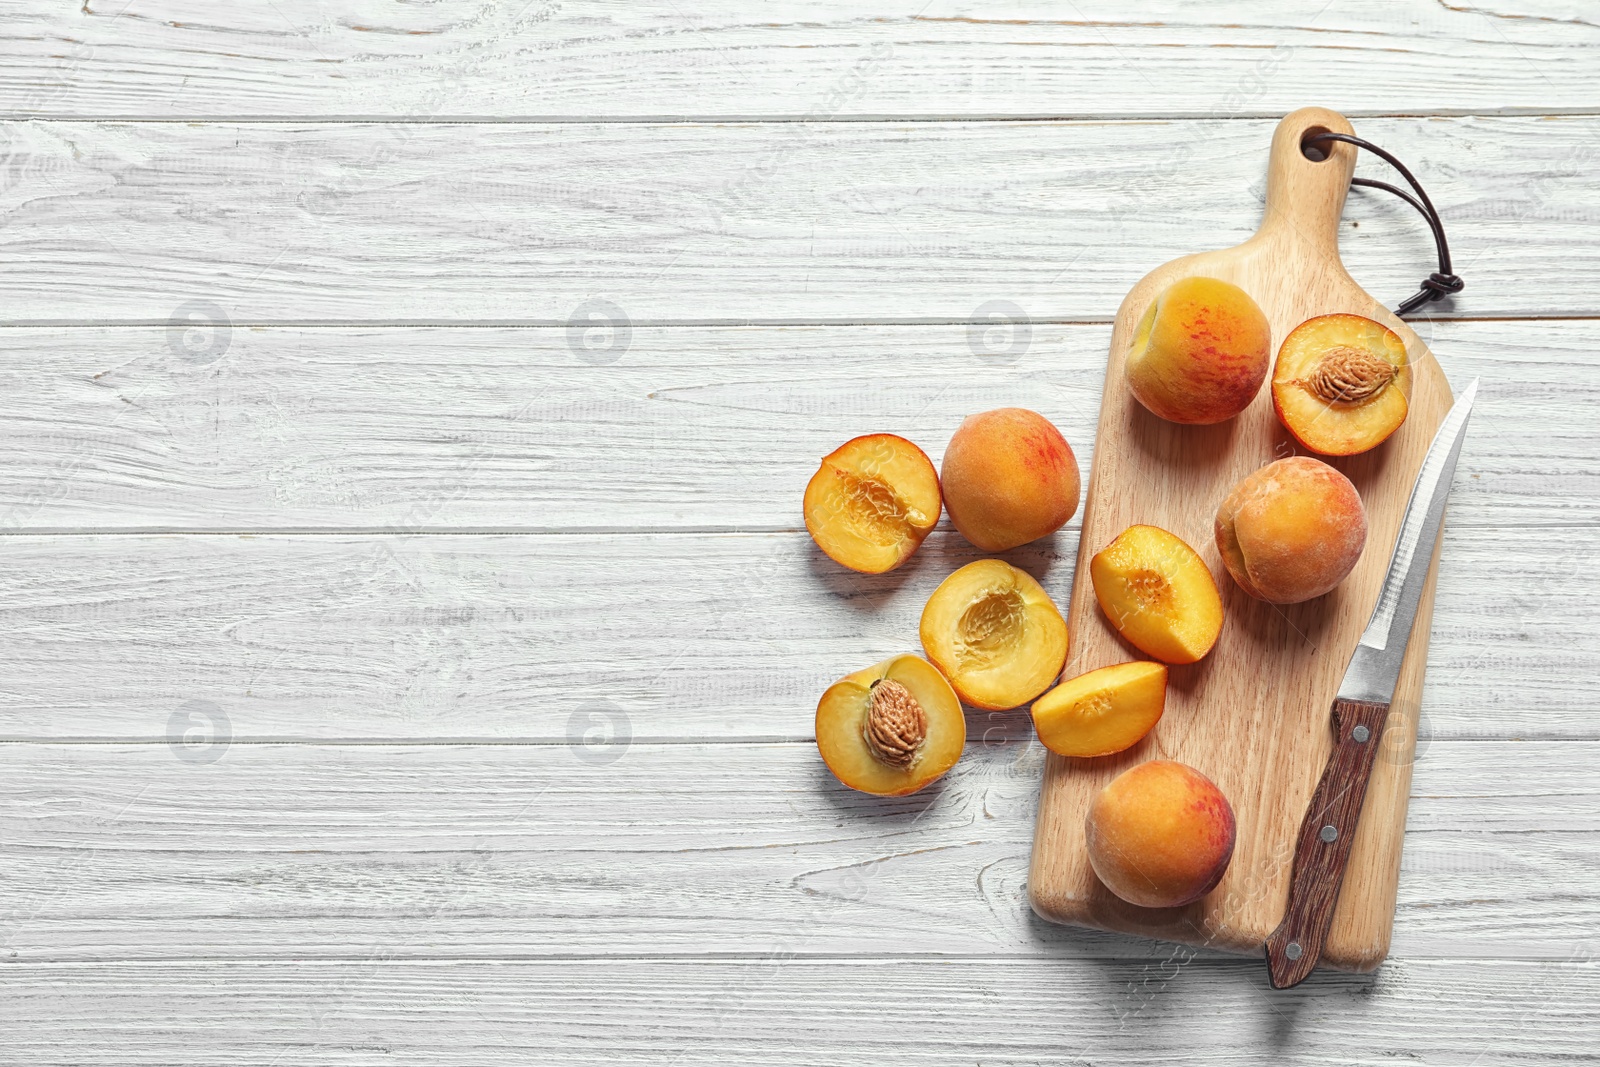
(1305, 197)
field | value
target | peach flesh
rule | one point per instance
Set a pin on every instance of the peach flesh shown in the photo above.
(1342, 384)
(897, 753)
(1103, 711)
(1158, 594)
(872, 502)
(995, 633)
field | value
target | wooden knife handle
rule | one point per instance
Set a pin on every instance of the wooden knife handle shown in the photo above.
(1323, 848)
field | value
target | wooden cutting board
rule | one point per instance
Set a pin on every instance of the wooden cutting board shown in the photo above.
(1253, 715)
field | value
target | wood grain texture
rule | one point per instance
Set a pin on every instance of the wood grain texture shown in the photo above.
(368, 636)
(1317, 868)
(700, 898)
(508, 429)
(776, 1010)
(761, 222)
(326, 851)
(1253, 715)
(590, 58)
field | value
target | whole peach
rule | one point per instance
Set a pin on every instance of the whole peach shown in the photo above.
(1009, 477)
(1160, 835)
(1291, 530)
(1200, 352)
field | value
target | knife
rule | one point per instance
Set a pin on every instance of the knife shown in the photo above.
(1360, 710)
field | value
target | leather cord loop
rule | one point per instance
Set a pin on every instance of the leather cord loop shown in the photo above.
(1442, 282)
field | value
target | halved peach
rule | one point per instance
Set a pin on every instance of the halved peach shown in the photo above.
(1101, 712)
(872, 502)
(1158, 593)
(892, 728)
(995, 633)
(1342, 384)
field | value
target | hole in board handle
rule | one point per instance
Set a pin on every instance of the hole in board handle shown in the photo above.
(1317, 153)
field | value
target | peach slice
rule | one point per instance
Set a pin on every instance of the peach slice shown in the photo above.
(1342, 384)
(1160, 835)
(1200, 352)
(1292, 530)
(1101, 712)
(995, 633)
(892, 728)
(872, 502)
(1158, 593)
(1009, 477)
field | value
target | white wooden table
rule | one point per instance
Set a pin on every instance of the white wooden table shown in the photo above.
(399, 664)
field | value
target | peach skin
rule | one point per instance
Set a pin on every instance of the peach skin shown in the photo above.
(1200, 352)
(1009, 477)
(1292, 530)
(1160, 835)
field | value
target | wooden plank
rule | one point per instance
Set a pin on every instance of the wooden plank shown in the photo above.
(765, 222)
(589, 58)
(510, 852)
(777, 1010)
(686, 636)
(507, 429)
(390, 903)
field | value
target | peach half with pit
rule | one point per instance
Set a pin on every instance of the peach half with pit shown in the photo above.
(1292, 530)
(1160, 835)
(1103, 711)
(892, 728)
(873, 500)
(1342, 384)
(995, 633)
(1009, 477)
(1200, 352)
(1158, 594)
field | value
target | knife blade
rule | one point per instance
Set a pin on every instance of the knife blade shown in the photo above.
(1360, 710)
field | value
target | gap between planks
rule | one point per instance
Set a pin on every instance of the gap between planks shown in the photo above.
(662, 324)
(551, 742)
(554, 531)
(382, 530)
(1167, 952)
(764, 119)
